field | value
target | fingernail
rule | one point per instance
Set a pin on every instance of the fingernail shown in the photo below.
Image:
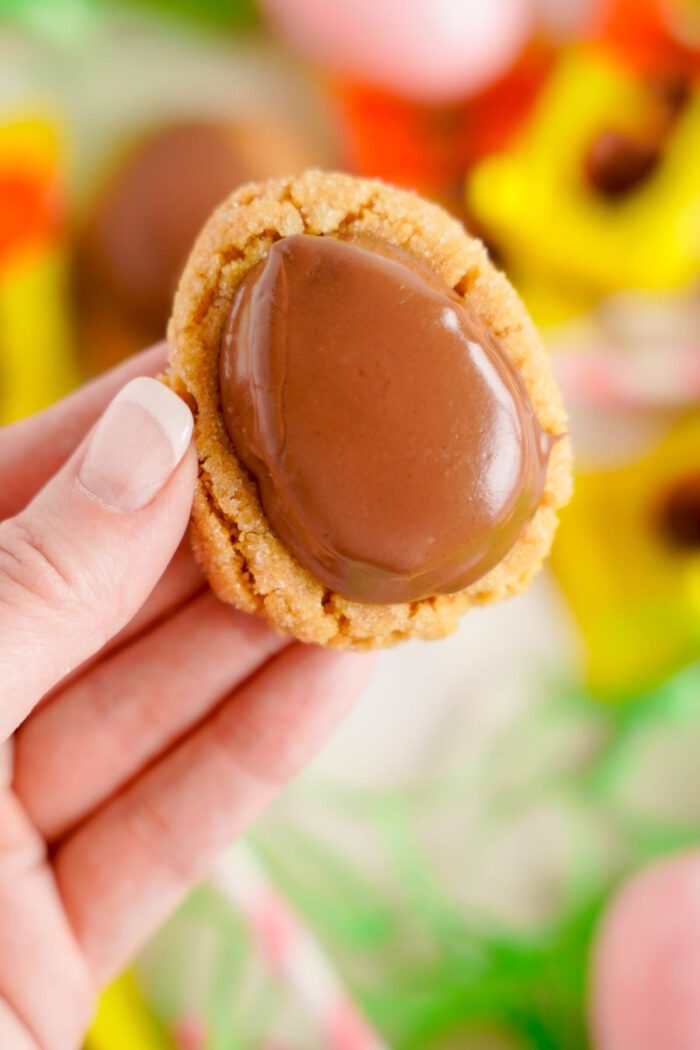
(136, 445)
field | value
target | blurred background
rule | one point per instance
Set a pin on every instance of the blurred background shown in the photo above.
(434, 880)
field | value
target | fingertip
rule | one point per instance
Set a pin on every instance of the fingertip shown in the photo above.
(341, 668)
(283, 714)
(184, 476)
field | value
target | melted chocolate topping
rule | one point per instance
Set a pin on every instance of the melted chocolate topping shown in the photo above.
(394, 445)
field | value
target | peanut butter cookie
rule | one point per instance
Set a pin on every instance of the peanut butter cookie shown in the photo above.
(381, 441)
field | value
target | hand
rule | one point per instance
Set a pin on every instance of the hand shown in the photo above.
(150, 723)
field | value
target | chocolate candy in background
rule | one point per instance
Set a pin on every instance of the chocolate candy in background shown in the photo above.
(140, 227)
(679, 514)
(618, 162)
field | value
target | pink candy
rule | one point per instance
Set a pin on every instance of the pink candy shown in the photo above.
(428, 50)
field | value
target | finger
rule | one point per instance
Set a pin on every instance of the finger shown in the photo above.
(80, 560)
(646, 976)
(131, 863)
(32, 450)
(74, 753)
(180, 581)
(12, 1032)
(7, 763)
(178, 584)
(43, 973)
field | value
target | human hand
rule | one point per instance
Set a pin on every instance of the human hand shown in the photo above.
(143, 724)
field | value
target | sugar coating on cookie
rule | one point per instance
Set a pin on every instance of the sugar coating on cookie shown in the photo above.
(314, 590)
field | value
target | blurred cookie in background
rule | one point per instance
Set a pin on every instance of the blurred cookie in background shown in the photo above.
(139, 226)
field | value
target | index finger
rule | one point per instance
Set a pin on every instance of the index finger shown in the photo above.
(32, 450)
(133, 860)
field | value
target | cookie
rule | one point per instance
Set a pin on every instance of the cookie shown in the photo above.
(381, 442)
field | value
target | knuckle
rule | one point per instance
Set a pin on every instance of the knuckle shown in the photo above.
(33, 565)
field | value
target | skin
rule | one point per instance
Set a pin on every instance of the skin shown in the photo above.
(150, 724)
(143, 725)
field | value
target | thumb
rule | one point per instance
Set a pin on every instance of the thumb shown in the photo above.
(81, 558)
